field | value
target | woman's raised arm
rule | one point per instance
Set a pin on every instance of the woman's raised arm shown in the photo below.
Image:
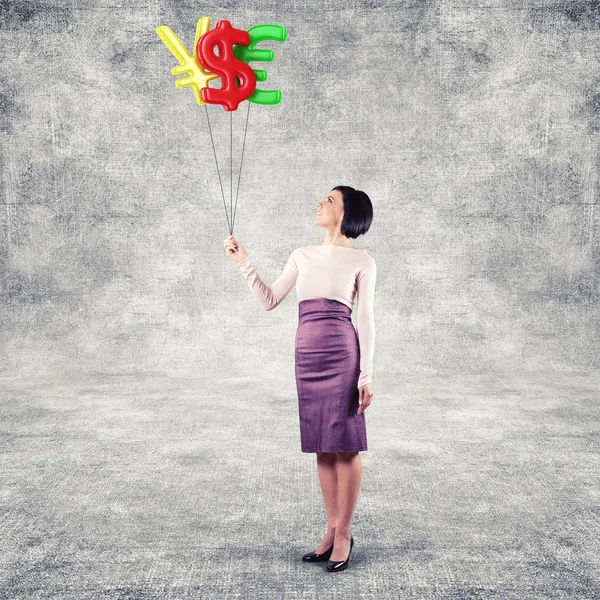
(270, 297)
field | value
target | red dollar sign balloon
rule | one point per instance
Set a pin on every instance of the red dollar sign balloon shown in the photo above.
(226, 65)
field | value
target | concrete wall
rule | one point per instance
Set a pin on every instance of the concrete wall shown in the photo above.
(473, 126)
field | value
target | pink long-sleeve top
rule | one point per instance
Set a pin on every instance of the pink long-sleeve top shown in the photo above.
(326, 271)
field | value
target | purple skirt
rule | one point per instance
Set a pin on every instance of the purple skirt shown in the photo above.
(327, 356)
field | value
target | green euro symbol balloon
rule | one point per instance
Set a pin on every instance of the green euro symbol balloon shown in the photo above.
(261, 33)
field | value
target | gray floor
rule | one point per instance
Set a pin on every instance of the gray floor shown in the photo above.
(156, 487)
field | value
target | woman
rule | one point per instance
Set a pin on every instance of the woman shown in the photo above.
(334, 361)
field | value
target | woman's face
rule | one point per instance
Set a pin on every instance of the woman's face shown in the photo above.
(330, 211)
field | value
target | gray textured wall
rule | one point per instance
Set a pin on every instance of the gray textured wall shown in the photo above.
(473, 125)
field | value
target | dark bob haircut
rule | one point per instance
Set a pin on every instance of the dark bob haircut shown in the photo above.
(358, 211)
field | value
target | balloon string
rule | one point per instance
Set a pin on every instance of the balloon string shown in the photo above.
(241, 162)
(218, 172)
(231, 166)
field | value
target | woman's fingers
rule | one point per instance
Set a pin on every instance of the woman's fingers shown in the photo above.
(365, 400)
(232, 248)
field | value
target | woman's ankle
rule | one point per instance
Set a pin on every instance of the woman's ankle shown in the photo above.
(343, 530)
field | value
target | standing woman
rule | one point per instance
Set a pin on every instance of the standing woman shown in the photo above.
(334, 361)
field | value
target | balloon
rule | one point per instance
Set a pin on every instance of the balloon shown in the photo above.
(258, 34)
(225, 64)
(197, 77)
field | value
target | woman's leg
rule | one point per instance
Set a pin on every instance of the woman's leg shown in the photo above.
(349, 475)
(328, 480)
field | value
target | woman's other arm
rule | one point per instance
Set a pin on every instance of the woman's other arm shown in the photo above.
(365, 320)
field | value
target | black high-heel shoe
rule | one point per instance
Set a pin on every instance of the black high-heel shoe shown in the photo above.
(340, 565)
(315, 557)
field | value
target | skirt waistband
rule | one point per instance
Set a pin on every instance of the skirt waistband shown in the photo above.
(324, 308)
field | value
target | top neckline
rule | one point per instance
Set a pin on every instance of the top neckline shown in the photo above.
(335, 246)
